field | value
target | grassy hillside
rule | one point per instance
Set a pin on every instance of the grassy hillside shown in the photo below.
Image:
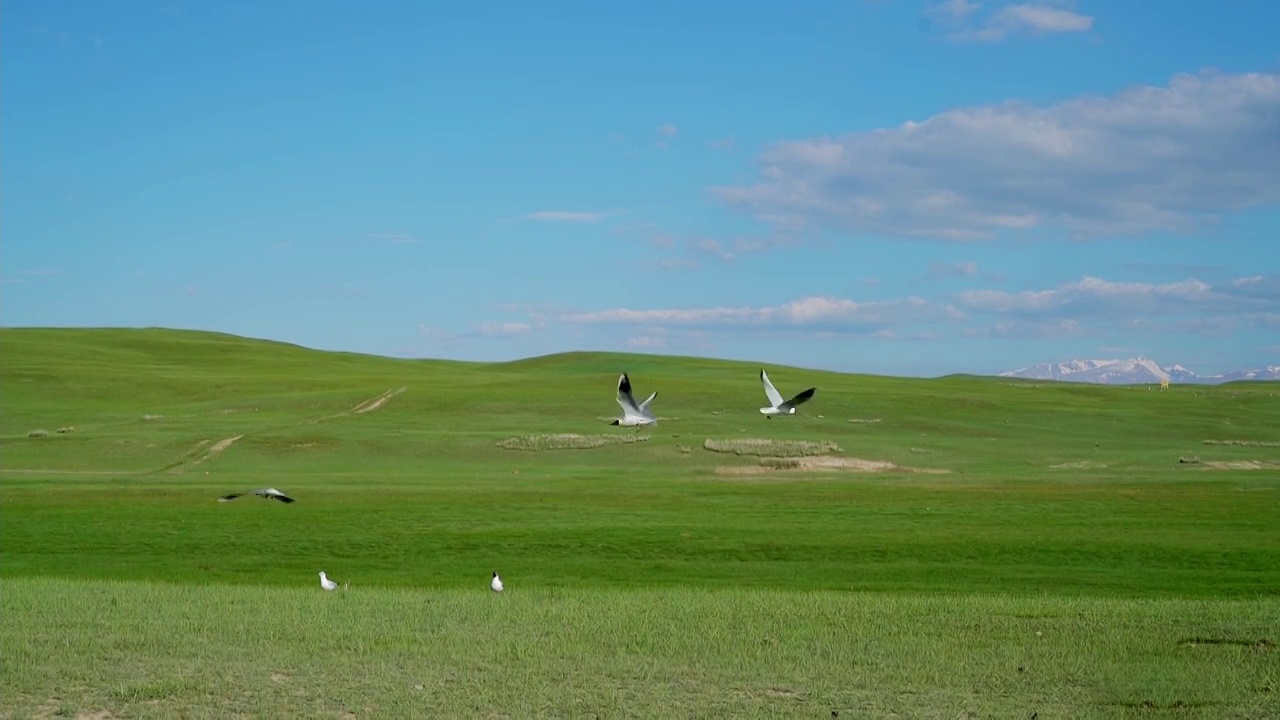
(972, 547)
(1074, 488)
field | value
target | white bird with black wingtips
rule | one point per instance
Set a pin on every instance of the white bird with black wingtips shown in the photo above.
(265, 493)
(633, 414)
(777, 405)
(496, 583)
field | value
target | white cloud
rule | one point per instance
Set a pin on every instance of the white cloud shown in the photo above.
(505, 329)
(714, 248)
(646, 342)
(723, 144)
(1086, 307)
(1095, 296)
(952, 10)
(566, 216)
(662, 240)
(1029, 329)
(667, 130)
(1026, 19)
(811, 312)
(1144, 159)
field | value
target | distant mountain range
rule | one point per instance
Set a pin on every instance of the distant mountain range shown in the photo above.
(1133, 371)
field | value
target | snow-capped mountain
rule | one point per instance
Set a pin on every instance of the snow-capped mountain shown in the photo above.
(1133, 371)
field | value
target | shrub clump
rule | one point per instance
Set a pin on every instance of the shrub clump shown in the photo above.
(66, 429)
(772, 448)
(38, 433)
(566, 441)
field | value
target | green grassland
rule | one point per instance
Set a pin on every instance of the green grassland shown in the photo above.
(647, 578)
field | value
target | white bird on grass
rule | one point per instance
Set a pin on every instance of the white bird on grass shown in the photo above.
(632, 414)
(266, 493)
(496, 583)
(326, 583)
(777, 406)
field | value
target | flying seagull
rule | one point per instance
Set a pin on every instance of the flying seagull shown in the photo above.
(267, 493)
(632, 414)
(496, 583)
(326, 583)
(775, 397)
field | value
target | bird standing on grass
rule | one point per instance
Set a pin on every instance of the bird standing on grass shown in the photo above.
(496, 583)
(326, 583)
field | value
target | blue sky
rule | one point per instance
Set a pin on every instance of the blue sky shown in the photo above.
(908, 188)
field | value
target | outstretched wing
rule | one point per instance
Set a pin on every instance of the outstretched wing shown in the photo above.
(798, 399)
(644, 406)
(229, 498)
(625, 399)
(273, 494)
(771, 392)
(627, 402)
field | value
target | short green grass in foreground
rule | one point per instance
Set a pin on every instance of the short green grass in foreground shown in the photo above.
(890, 592)
(220, 651)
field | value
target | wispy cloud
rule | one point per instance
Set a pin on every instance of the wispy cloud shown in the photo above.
(1027, 19)
(961, 269)
(1145, 159)
(723, 144)
(698, 249)
(666, 133)
(678, 264)
(1095, 296)
(504, 330)
(828, 313)
(1031, 19)
(714, 248)
(566, 216)
(1086, 307)
(1029, 330)
(647, 342)
(952, 10)
(964, 268)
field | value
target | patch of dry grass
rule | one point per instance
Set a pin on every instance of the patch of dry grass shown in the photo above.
(1243, 465)
(772, 448)
(1079, 465)
(1244, 443)
(566, 441)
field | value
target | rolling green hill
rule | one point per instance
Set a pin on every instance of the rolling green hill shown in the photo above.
(963, 546)
(999, 483)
